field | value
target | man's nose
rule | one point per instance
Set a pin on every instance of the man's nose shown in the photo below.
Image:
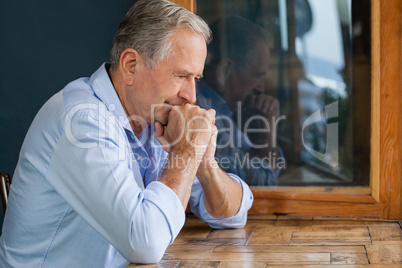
(188, 92)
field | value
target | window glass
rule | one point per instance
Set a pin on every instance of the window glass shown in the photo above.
(290, 81)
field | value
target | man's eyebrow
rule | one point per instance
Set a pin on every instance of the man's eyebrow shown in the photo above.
(185, 73)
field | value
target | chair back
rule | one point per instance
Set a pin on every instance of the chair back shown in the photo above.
(4, 189)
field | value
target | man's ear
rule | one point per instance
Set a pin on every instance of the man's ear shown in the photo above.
(128, 63)
(223, 71)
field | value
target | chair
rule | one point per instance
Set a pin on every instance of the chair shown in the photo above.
(4, 189)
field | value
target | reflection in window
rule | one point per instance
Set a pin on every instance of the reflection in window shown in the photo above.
(290, 80)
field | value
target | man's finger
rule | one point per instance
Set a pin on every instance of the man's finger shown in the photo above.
(159, 129)
(159, 135)
(212, 114)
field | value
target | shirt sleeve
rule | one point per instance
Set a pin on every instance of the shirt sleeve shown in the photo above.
(92, 170)
(236, 221)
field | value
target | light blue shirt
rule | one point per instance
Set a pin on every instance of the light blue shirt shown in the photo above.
(78, 197)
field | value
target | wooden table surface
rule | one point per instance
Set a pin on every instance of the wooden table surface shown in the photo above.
(287, 242)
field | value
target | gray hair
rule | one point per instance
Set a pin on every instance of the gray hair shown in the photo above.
(148, 27)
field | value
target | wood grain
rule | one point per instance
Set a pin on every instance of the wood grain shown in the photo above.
(346, 194)
(349, 258)
(232, 233)
(198, 264)
(332, 235)
(391, 118)
(161, 264)
(391, 232)
(242, 264)
(346, 266)
(385, 254)
(291, 249)
(315, 208)
(264, 243)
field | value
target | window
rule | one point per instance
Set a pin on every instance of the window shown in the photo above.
(319, 71)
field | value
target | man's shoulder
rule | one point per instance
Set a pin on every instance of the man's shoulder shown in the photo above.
(94, 89)
(78, 91)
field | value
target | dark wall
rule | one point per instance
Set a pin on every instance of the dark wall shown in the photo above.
(45, 44)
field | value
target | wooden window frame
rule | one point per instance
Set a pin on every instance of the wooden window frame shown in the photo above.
(383, 199)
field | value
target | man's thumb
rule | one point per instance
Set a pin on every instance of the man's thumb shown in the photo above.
(159, 135)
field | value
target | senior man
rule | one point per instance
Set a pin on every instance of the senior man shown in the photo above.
(111, 161)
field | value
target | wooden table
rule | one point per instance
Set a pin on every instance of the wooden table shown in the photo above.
(287, 242)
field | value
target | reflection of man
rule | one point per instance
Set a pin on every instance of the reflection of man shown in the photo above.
(235, 71)
(93, 187)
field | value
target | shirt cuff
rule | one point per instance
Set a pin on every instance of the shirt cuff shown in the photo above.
(236, 221)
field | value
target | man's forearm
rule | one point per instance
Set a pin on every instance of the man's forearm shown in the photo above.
(222, 195)
(178, 175)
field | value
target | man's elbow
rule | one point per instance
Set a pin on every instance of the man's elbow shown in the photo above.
(148, 253)
(149, 243)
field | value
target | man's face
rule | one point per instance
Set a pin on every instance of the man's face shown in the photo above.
(243, 82)
(173, 81)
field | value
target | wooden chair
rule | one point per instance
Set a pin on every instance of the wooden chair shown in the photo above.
(4, 189)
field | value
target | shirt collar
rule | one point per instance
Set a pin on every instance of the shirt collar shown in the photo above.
(104, 90)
